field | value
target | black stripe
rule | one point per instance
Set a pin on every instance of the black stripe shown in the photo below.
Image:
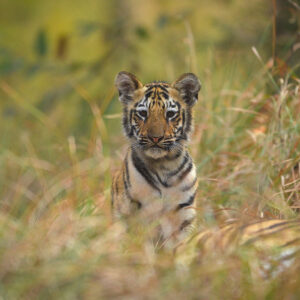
(125, 184)
(117, 189)
(185, 172)
(164, 183)
(188, 187)
(130, 127)
(142, 169)
(165, 95)
(188, 203)
(163, 88)
(179, 129)
(134, 201)
(149, 90)
(185, 223)
(147, 95)
(127, 171)
(178, 104)
(155, 86)
(175, 172)
(183, 122)
(183, 117)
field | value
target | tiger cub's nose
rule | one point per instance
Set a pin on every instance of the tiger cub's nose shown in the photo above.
(155, 139)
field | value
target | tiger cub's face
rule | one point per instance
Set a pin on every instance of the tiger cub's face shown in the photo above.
(157, 116)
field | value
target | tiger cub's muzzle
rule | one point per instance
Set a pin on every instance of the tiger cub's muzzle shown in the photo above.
(157, 142)
(155, 139)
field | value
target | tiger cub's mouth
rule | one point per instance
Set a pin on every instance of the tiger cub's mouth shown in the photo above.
(158, 150)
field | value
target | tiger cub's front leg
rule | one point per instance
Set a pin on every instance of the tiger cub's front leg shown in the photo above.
(177, 223)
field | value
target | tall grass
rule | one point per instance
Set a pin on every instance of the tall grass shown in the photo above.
(61, 141)
(57, 236)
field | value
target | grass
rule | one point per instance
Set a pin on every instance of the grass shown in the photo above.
(57, 237)
(61, 141)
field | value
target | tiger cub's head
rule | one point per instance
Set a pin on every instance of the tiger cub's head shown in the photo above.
(157, 116)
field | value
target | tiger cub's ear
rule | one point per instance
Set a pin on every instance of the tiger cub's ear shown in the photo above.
(126, 83)
(188, 86)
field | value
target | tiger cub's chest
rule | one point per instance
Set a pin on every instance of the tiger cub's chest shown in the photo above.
(171, 186)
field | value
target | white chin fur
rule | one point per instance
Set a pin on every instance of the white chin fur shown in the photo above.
(155, 153)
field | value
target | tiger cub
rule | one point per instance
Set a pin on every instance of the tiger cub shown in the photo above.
(158, 176)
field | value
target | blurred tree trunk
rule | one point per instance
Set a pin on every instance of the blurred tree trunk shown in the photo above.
(287, 43)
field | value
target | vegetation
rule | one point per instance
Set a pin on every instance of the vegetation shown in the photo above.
(61, 140)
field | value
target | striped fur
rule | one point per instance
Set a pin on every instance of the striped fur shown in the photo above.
(158, 176)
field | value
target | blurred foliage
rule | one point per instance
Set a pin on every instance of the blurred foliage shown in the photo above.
(49, 47)
(61, 139)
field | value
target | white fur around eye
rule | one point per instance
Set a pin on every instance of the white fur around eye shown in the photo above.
(142, 112)
(171, 114)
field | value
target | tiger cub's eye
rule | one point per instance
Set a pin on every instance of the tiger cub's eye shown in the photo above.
(171, 114)
(142, 113)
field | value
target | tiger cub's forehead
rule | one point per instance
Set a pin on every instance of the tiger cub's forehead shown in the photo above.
(159, 94)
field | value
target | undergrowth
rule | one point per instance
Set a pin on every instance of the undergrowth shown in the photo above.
(58, 240)
(61, 141)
